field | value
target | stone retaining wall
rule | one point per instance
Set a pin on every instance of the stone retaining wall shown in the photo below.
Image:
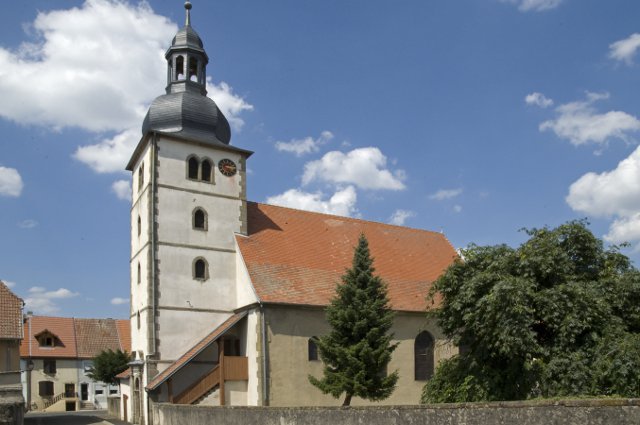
(547, 412)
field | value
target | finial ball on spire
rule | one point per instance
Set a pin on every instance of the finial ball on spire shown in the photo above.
(187, 5)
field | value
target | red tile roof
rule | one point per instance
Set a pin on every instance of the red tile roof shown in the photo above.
(96, 335)
(124, 374)
(297, 257)
(195, 350)
(10, 314)
(75, 338)
(60, 327)
(124, 334)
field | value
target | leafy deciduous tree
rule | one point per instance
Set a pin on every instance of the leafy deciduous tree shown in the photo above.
(558, 316)
(357, 350)
(108, 364)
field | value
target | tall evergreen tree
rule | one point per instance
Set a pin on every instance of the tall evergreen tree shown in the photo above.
(357, 350)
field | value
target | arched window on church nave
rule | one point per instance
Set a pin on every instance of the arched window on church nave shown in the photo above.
(200, 269)
(199, 219)
(423, 356)
(312, 349)
(206, 175)
(192, 167)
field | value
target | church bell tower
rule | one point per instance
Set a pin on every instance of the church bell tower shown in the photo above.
(189, 200)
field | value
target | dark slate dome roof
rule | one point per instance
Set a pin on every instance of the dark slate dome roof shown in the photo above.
(187, 37)
(188, 114)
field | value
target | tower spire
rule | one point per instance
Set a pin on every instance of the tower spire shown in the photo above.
(187, 6)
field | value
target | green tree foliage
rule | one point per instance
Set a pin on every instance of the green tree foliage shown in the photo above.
(108, 364)
(357, 350)
(558, 316)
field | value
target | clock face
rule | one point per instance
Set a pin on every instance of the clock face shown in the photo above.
(227, 167)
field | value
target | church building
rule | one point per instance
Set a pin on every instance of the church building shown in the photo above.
(227, 295)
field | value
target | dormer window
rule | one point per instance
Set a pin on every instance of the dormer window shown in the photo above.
(47, 339)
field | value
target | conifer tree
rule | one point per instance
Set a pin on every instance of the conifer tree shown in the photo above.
(357, 350)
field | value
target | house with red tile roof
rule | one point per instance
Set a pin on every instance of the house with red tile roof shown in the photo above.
(56, 355)
(227, 295)
(11, 399)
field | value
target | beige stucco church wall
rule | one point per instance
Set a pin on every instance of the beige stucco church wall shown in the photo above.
(289, 329)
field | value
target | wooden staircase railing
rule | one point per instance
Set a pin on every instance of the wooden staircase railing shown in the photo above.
(235, 369)
(199, 388)
(57, 398)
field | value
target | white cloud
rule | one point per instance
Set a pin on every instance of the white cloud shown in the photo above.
(10, 182)
(28, 224)
(96, 67)
(364, 168)
(612, 194)
(119, 301)
(535, 5)
(92, 67)
(538, 99)
(625, 229)
(400, 216)
(110, 155)
(625, 50)
(122, 189)
(40, 300)
(9, 284)
(303, 146)
(444, 194)
(457, 208)
(580, 123)
(231, 105)
(342, 202)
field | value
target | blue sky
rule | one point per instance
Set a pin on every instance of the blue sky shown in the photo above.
(472, 117)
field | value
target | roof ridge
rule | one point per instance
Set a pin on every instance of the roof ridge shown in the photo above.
(342, 217)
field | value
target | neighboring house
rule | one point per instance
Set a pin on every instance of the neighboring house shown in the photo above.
(228, 295)
(57, 354)
(11, 399)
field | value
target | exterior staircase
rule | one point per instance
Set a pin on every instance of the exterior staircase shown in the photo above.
(87, 405)
(232, 368)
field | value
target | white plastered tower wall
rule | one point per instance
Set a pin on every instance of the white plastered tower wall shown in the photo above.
(171, 310)
(174, 304)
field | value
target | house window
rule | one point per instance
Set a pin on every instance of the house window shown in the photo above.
(140, 176)
(312, 349)
(423, 356)
(49, 366)
(192, 168)
(45, 388)
(199, 219)
(200, 271)
(206, 171)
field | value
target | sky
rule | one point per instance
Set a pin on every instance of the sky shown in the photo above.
(476, 118)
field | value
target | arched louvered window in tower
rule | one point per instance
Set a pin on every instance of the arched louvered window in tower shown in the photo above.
(192, 168)
(199, 219)
(200, 271)
(423, 356)
(206, 171)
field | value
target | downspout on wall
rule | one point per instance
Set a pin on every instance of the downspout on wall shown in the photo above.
(265, 358)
